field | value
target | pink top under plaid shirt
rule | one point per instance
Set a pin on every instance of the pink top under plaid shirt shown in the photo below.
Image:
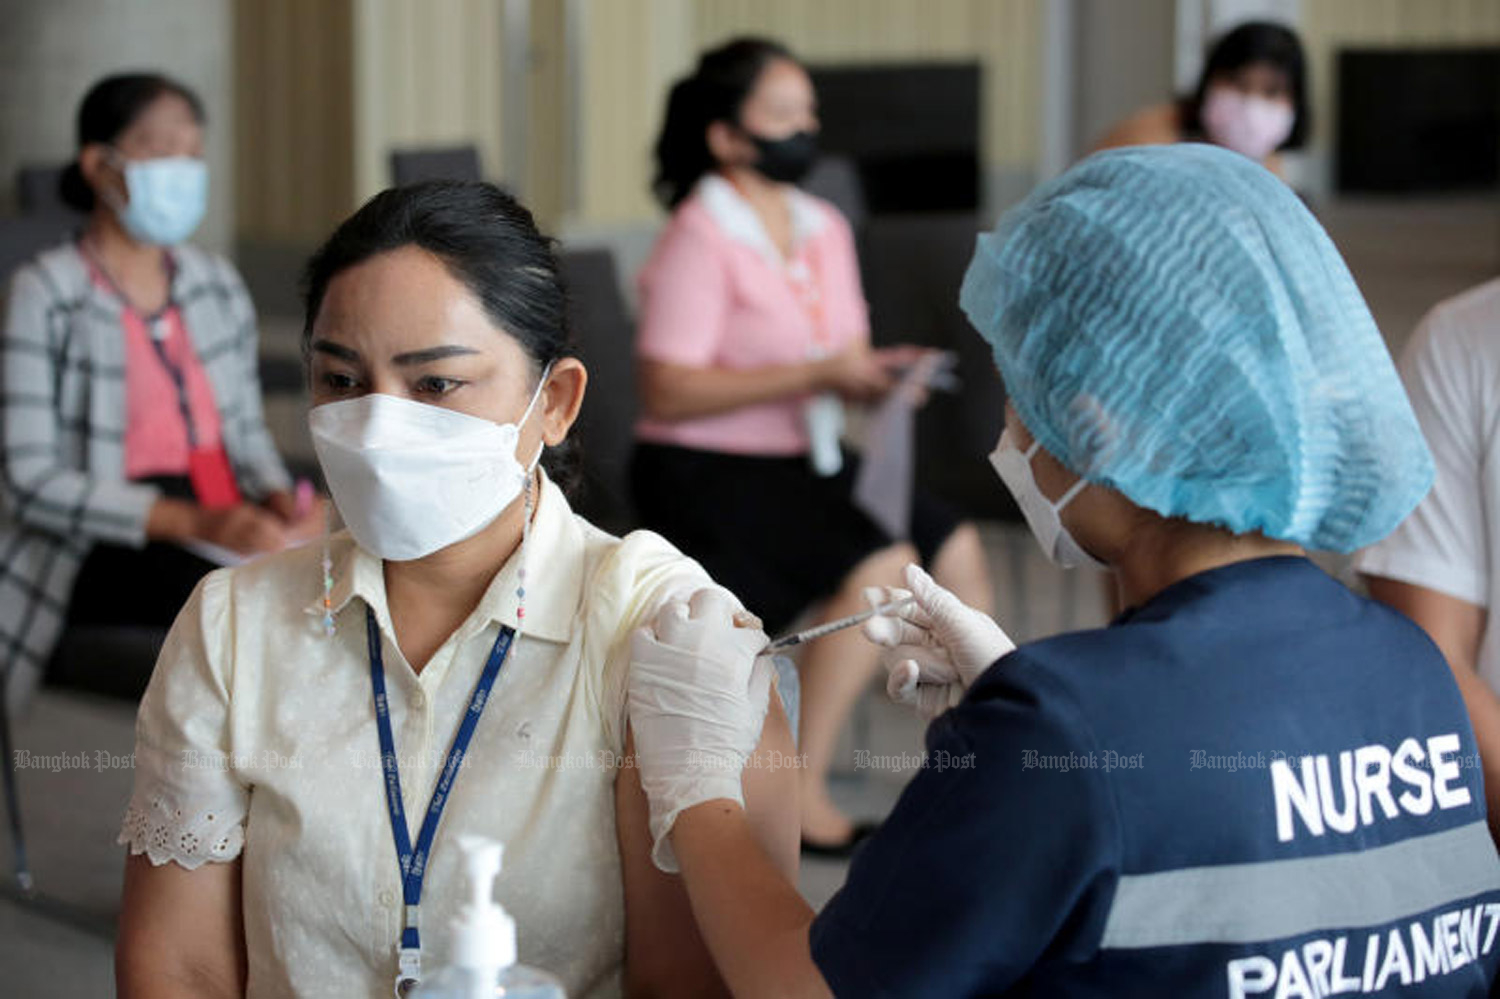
(156, 435)
(156, 430)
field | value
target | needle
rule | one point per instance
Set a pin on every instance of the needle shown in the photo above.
(799, 637)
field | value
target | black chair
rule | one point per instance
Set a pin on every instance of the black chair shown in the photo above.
(24, 236)
(604, 334)
(409, 166)
(913, 266)
(37, 191)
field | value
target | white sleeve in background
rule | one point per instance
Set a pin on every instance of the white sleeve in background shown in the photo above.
(189, 803)
(1449, 369)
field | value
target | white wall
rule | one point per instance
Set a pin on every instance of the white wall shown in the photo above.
(51, 51)
(1123, 61)
(426, 73)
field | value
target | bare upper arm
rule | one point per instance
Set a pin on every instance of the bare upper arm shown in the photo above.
(664, 952)
(1160, 124)
(181, 932)
(1455, 626)
(654, 383)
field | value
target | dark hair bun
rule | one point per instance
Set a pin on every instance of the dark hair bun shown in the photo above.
(74, 190)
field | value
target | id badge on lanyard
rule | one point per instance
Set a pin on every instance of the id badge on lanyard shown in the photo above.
(823, 414)
(212, 478)
(209, 470)
(414, 860)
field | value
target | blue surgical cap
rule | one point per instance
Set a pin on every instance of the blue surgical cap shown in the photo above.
(1172, 322)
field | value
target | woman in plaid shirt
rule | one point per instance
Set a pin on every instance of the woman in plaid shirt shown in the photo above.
(130, 413)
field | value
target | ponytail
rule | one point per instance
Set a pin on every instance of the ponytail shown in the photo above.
(714, 91)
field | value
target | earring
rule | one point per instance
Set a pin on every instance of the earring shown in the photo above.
(328, 628)
(528, 507)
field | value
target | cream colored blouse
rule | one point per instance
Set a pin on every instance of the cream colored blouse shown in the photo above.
(257, 739)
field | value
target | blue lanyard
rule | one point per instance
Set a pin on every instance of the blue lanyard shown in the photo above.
(414, 862)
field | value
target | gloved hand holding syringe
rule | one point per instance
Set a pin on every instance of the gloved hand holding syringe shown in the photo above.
(955, 642)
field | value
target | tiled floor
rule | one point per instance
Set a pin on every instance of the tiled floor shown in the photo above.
(74, 787)
(74, 782)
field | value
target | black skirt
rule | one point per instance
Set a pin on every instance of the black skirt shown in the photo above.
(128, 595)
(771, 530)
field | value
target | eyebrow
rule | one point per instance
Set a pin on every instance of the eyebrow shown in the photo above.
(408, 359)
(336, 350)
(432, 354)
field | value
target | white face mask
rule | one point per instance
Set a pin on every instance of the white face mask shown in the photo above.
(1042, 515)
(1251, 126)
(409, 478)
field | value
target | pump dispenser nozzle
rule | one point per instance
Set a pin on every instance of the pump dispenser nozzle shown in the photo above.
(484, 934)
(484, 941)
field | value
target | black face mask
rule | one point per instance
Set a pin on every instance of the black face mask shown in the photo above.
(785, 160)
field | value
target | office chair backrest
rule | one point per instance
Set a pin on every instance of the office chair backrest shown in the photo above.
(24, 236)
(408, 166)
(37, 190)
(604, 335)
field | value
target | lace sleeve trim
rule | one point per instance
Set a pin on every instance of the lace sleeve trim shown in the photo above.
(165, 830)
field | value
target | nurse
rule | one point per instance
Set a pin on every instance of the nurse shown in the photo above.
(1254, 782)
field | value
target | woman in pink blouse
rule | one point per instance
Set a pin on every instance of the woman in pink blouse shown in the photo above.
(753, 333)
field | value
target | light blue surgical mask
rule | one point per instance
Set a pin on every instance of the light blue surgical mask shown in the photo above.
(168, 196)
(1043, 516)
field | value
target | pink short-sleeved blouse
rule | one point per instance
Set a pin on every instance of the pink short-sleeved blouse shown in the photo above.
(717, 292)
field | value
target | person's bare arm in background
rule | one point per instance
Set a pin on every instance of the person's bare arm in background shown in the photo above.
(679, 392)
(1457, 627)
(1436, 567)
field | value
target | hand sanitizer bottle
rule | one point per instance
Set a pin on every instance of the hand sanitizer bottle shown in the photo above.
(484, 942)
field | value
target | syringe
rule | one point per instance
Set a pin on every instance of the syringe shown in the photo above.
(797, 638)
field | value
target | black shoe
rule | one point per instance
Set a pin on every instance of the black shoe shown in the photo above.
(842, 849)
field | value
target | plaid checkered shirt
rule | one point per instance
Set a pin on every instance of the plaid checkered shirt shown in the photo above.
(62, 427)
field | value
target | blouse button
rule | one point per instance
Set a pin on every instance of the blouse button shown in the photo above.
(387, 899)
(419, 700)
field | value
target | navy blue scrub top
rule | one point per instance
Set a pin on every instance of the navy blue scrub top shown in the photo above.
(1258, 784)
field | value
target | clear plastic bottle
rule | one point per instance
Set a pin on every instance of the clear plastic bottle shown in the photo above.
(484, 942)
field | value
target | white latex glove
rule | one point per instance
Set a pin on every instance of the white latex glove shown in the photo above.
(950, 642)
(697, 696)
